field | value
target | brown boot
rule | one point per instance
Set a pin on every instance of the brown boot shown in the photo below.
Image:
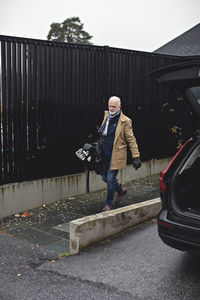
(106, 208)
(120, 195)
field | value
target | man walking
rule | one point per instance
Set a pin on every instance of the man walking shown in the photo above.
(116, 131)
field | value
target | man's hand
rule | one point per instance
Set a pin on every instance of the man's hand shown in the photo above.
(136, 163)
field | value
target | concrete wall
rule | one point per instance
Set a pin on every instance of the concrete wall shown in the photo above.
(18, 197)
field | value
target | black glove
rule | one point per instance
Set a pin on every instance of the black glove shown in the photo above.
(136, 163)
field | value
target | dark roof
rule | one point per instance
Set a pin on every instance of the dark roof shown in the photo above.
(185, 44)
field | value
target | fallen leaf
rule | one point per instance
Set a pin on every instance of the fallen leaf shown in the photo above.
(71, 198)
(26, 214)
(19, 274)
(21, 267)
(17, 215)
(2, 231)
(53, 261)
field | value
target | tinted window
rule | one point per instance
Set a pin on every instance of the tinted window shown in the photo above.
(195, 91)
(191, 160)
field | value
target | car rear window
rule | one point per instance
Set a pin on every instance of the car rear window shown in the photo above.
(195, 90)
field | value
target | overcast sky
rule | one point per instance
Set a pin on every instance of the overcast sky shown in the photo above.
(143, 25)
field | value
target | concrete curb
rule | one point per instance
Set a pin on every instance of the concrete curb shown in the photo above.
(94, 228)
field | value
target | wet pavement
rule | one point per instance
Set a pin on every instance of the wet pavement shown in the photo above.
(47, 226)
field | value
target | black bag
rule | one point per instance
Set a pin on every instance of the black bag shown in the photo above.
(92, 155)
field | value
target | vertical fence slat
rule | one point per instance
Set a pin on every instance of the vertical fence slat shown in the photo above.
(3, 96)
(24, 155)
(18, 112)
(5, 114)
(15, 112)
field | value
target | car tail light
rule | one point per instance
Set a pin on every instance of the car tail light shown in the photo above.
(163, 186)
(165, 224)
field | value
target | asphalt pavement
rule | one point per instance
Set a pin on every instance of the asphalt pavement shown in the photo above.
(47, 227)
(135, 265)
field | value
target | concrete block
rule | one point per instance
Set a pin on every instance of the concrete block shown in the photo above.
(94, 228)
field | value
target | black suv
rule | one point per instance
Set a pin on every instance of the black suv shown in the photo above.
(179, 219)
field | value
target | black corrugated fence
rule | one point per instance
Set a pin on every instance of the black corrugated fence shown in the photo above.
(53, 96)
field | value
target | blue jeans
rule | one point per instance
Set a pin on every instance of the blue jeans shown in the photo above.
(112, 184)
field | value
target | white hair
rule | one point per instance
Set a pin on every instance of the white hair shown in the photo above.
(115, 98)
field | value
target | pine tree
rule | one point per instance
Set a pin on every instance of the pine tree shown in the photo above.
(71, 31)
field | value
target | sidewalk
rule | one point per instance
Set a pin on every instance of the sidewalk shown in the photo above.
(47, 227)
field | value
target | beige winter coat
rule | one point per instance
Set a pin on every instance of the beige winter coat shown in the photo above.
(123, 136)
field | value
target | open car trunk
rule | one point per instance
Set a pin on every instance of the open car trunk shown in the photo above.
(186, 185)
(184, 78)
